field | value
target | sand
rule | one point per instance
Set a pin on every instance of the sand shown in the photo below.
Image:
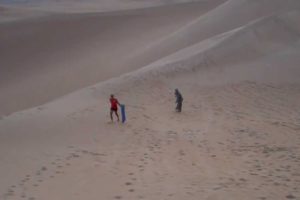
(236, 63)
(80, 52)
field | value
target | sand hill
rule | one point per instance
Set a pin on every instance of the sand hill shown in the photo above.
(71, 51)
(236, 63)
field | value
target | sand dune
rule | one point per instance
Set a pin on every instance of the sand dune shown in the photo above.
(237, 137)
(262, 46)
(229, 15)
(81, 51)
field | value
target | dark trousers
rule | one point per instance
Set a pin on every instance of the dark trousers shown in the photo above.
(179, 107)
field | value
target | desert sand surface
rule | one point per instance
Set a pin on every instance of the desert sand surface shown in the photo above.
(60, 53)
(235, 62)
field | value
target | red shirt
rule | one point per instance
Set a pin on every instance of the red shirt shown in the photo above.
(114, 103)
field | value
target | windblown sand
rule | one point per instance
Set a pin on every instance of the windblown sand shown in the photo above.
(236, 63)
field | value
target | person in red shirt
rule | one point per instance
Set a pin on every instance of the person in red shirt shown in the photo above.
(114, 107)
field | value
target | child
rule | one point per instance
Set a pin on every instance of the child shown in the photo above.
(114, 107)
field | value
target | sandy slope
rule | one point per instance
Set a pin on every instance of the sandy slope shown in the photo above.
(73, 51)
(237, 138)
(234, 140)
(230, 15)
(261, 49)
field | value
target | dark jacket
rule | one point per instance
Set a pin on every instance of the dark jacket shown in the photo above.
(178, 96)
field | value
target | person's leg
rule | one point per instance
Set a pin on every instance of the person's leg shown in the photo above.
(117, 115)
(111, 115)
(179, 107)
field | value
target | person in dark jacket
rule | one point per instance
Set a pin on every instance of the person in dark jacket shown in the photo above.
(179, 100)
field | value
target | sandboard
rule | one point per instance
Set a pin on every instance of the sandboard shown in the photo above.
(123, 114)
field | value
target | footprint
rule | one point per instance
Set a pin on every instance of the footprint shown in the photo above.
(40, 108)
(24, 180)
(74, 155)
(44, 168)
(262, 198)
(38, 173)
(10, 192)
(290, 196)
(84, 151)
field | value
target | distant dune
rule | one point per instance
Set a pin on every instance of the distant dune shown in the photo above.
(264, 44)
(230, 15)
(60, 53)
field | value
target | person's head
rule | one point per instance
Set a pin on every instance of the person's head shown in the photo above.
(176, 91)
(112, 96)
